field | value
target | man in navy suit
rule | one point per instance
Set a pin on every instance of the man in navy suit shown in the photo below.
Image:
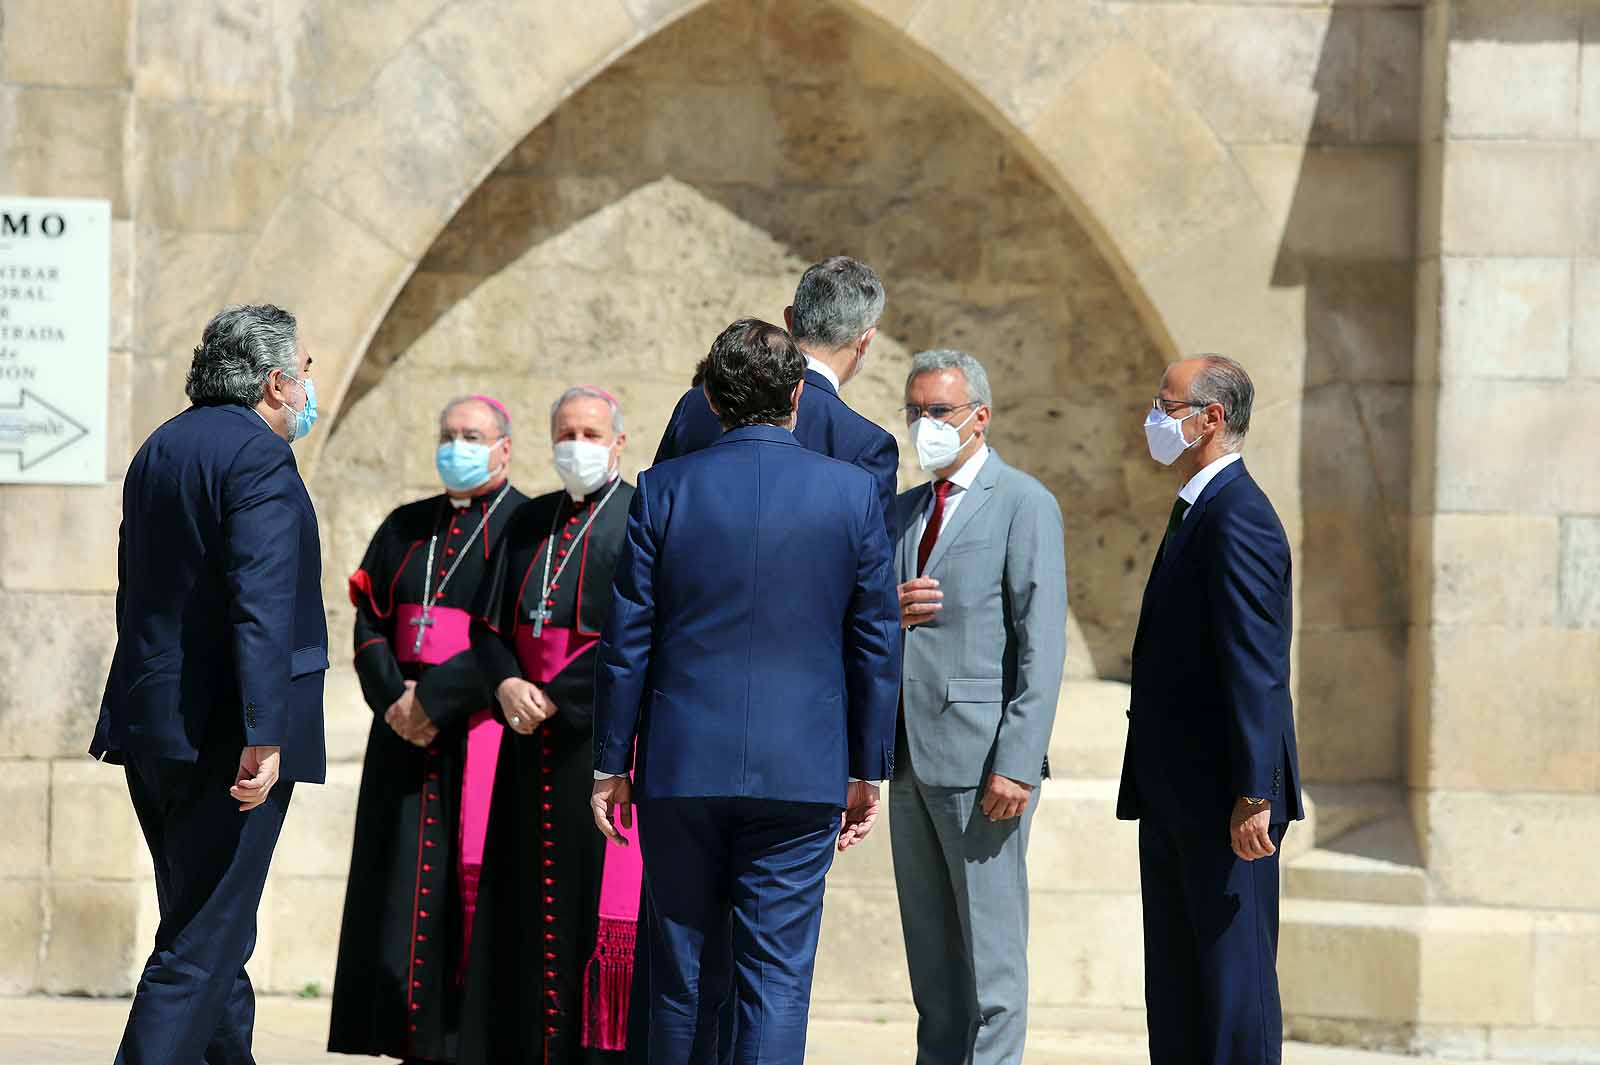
(833, 319)
(1211, 771)
(214, 702)
(752, 652)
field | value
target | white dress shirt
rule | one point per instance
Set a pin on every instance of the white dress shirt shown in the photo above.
(960, 481)
(1197, 484)
(824, 369)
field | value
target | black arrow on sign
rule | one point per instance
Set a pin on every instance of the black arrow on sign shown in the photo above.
(33, 430)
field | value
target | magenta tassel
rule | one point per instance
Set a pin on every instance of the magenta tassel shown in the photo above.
(607, 984)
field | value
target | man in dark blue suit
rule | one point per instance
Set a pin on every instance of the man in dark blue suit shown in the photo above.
(214, 701)
(834, 319)
(752, 652)
(1211, 770)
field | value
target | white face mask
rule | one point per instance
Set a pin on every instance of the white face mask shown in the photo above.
(1164, 434)
(937, 443)
(583, 466)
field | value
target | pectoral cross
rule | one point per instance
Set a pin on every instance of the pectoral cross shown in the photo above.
(539, 616)
(422, 623)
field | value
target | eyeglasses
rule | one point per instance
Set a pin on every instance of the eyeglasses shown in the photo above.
(937, 411)
(1167, 406)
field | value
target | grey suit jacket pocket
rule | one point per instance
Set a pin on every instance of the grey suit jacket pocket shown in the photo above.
(974, 690)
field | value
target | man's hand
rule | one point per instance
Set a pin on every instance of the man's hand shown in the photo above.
(1004, 798)
(860, 813)
(920, 600)
(1248, 828)
(258, 772)
(611, 796)
(526, 706)
(409, 720)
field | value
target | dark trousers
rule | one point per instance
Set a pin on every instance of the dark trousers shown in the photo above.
(763, 865)
(1210, 947)
(194, 1003)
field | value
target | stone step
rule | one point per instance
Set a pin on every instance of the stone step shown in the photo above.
(1378, 862)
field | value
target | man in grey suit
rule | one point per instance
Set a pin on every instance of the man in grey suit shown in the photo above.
(983, 606)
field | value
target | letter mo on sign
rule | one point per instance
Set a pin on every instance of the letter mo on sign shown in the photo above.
(22, 225)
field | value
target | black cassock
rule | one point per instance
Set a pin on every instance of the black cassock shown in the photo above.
(543, 859)
(397, 984)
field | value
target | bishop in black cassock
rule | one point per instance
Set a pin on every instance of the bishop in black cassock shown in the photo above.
(552, 958)
(430, 761)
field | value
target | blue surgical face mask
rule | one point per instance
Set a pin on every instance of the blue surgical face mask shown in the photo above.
(463, 465)
(306, 416)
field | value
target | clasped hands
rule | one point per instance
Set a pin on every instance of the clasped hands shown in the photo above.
(525, 704)
(405, 715)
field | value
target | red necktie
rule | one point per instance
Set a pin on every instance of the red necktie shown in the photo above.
(930, 535)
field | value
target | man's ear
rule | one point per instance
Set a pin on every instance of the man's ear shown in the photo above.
(709, 402)
(866, 340)
(799, 387)
(788, 318)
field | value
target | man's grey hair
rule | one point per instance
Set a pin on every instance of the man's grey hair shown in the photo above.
(240, 347)
(836, 302)
(1223, 381)
(502, 420)
(951, 359)
(591, 391)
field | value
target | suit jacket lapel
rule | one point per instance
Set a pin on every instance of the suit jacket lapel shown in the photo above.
(1191, 520)
(972, 501)
(910, 532)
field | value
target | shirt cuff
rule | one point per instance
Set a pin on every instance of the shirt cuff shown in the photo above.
(605, 776)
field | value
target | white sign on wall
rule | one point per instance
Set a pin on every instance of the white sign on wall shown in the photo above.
(55, 322)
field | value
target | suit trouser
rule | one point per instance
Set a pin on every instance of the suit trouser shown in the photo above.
(765, 863)
(1210, 947)
(963, 886)
(194, 1002)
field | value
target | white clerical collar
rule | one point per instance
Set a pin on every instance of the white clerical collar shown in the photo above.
(460, 502)
(968, 472)
(825, 370)
(1190, 492)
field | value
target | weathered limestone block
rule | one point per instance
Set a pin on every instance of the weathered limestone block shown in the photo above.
(1486, 734)
(40, 161)
(1586, 316)
(1018, 56)
(306, 914)
(317, 831)
(1373, 949)
(1350, 720)
(1477, 966)
(21, 929)
(94, 833)
(861, 956)
(208, 53)
(1580, 573)
(1086, 949)
(1390, 105)
(76, 43)
(54, 653)
(1492, 570)
(183, 280)
(1077, 844)
(484, 46)
(1514, 849)
(25, 796)
(1511, 199)
(1542, 469)
(1260, 75)
(399, 164)
(44, 526)
(332, 48)
(1513, 70)
(1566, 968)
(1589, 77)
(1507, 318)
(1129, 142)
(217, 168)
(101, 932)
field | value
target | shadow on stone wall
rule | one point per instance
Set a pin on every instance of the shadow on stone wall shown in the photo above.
(824, 134)
(1349, 241)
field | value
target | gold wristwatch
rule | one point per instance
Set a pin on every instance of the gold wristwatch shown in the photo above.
(1252, 802)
